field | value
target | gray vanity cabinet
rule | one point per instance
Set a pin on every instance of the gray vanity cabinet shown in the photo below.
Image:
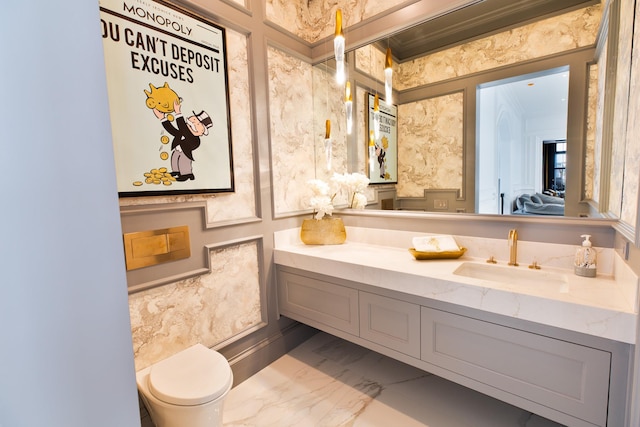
(391, 323)
(559, 375)
(318, 303)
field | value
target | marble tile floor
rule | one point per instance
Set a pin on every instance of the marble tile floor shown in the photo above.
(327, 381)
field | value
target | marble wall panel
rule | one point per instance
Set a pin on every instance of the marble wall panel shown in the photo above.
(329, 104)
(430, 145)
(371, 60)
(569, 31)
(207, 309)
(632, 149)
(292, 130)
(599, 123)
(621, 107)
(241, 203)
(592, 106)
(313, 20)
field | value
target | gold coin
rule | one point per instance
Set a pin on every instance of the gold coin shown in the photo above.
(154, 171)
(170, 117)
(164, 155)
(156, 181)
(149, 180)
(147, 174)
(166, 182)
(162, 170)
(137, 183)
(164, 139)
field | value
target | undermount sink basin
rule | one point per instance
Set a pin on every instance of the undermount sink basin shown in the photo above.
(512, 275)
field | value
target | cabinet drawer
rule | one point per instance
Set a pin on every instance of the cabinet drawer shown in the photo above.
(391, 323)
(319, 301)
(567, 377)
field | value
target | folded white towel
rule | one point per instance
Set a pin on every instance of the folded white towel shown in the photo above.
(435, 244)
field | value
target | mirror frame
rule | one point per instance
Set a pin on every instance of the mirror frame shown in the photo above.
(608, 37)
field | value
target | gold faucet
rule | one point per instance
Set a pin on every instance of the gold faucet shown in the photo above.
(513, 247)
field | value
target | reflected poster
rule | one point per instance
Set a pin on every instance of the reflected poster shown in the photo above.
(381, 141)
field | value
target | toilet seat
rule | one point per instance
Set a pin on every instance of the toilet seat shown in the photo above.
(194, 376)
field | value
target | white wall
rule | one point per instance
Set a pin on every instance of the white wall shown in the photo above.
(486, 164)
(65, 342)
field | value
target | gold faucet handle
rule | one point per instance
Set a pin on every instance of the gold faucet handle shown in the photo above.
(534, 265)
(492, 260)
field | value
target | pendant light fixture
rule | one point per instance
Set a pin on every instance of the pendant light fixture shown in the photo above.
(338, 47)
(388, 77)
(348, 106)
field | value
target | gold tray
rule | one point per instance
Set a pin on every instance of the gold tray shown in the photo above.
(420, 256)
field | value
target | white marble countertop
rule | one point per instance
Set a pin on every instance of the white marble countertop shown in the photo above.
(605, 306)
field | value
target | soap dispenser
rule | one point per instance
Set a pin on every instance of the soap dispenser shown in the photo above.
(585, 261)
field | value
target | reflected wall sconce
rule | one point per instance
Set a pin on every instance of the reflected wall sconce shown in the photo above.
(388, 77)
(338, 47)
(348, 106)
(372, 152)
(327, 144)
(376, 117)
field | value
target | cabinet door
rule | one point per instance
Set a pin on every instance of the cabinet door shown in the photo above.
(564, 376)
(317, 302)
(391, 323)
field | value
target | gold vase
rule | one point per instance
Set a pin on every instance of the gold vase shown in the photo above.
(325, 231)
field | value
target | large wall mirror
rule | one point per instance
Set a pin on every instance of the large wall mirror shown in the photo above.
(498, 110)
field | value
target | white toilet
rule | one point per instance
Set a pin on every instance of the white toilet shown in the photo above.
(186, 389)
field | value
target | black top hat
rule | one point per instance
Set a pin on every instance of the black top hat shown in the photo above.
(204, 118)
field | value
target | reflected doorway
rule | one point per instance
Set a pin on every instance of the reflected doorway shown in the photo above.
(520, 120)
(554, 165)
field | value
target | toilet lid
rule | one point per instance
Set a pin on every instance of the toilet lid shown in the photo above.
(194, 376)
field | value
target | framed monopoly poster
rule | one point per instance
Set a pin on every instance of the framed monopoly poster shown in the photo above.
(168, 99)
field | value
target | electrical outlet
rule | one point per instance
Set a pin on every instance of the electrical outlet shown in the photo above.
(441, 204)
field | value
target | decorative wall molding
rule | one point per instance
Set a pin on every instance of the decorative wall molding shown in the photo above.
(217, 308)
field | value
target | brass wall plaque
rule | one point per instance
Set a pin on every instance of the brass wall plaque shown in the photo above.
(146, 248)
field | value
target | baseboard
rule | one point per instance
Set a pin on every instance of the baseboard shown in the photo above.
(257, 357)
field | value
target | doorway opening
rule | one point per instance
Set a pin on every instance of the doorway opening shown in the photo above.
(554, 165)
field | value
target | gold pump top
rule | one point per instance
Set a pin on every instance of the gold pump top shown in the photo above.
(376, 103)
(338, 22)
(347, 92)
(371, 139)
(388, 61)
(327, 132)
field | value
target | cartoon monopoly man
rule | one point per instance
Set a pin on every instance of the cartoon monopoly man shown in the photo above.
(186, 139)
